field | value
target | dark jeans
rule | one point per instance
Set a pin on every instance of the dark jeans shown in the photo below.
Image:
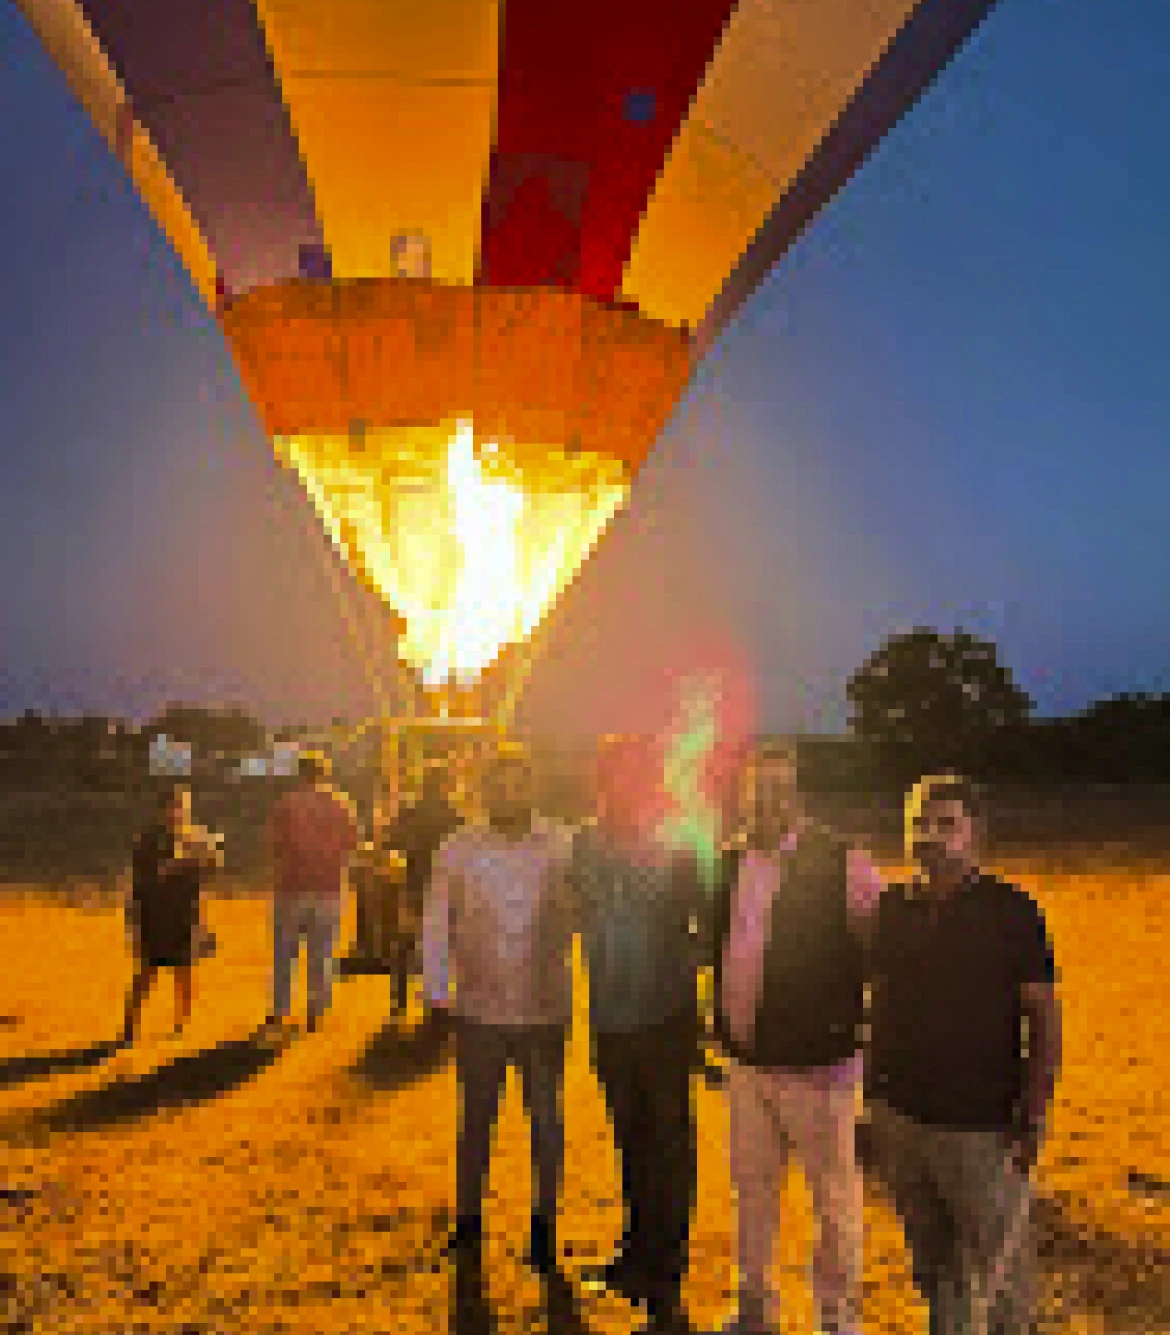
(482, 1055)
(646, 1077)
(404, 958)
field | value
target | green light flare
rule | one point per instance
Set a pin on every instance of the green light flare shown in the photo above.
(695, 824)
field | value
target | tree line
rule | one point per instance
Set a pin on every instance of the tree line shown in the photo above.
(922, 701)
(927, 701)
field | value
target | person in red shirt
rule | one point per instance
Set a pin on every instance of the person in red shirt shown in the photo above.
(314, 834)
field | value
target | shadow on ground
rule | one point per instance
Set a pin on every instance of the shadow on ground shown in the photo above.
(397, 1057)
(40, 1065)
(186, 1080)
(1124, 1282)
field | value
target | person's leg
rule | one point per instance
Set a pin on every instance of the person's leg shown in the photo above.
(991, 1203)
(184, 987)
(1014, 1310)
(408, 968)
(669, 1147)
(615, 1067)
(825, 1138)
(759, 1156)
(285, 949)
(902, 1160)
(539, 1052)
(400, 952)
(481, 1062)
(144, 974)
(323, 918)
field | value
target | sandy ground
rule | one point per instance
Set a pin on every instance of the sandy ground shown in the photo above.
(215, 1183)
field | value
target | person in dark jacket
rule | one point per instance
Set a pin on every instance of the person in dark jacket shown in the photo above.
(643, 919)
(416, 832)
(171, 858)
(790, 928)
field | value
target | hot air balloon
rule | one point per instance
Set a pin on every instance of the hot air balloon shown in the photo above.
(467, 253)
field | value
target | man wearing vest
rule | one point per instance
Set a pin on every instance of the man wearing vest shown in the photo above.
(790, 927)
(964, 1051)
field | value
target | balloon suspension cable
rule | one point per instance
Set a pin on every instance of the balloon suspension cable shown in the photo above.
(373, 677)
(517, 681)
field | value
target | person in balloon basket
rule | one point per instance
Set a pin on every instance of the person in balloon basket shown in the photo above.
(792, 917)
(643, 918)
(498, 924)
(314, 833)
(963, 1058)
(171, 859)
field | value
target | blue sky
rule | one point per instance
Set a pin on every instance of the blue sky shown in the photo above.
(947, 406)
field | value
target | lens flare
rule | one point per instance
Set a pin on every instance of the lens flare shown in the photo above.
(694, 824)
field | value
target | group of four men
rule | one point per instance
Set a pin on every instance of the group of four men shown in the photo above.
(936, 997)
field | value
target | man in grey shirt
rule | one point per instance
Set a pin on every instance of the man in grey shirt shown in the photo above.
(643, 917)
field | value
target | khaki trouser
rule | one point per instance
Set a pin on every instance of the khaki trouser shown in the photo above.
(965, 1210)
(772, 1113)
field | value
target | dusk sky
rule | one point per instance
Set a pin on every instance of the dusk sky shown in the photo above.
(949, 405)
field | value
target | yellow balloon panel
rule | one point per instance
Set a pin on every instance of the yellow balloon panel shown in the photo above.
(709, 203)
(393, 104)
(780, 78)
(445, 39)
(471, 540)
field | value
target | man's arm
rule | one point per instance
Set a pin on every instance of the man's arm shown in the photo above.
(277, 824)
(699, 909)
(436, 933)
(865, 888)
(865, 900)
(207, 850)
(1042, 1047)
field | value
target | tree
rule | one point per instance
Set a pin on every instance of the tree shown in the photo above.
(929, 701)
(1124, 737)
(229, 731)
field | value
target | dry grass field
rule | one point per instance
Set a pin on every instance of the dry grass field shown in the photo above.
(212, 1183)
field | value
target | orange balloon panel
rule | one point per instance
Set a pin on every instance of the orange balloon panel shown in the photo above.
(532, 365)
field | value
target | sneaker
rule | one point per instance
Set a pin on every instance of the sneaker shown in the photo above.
(666, 1314)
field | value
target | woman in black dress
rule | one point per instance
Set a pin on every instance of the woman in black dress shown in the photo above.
(171, 858)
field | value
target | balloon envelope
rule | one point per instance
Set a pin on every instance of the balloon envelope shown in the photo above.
(471, 225)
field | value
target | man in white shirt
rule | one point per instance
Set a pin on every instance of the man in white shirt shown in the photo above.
(498, 923)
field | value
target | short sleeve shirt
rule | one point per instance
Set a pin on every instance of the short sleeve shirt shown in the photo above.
(946, 985)
(315, 833)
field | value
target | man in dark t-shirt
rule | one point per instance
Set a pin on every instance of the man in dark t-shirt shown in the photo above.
(960, 1068)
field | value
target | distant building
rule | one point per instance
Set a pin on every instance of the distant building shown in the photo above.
(280, 763)
(169, 757)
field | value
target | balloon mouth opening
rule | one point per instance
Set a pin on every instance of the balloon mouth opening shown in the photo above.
(471, 541)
